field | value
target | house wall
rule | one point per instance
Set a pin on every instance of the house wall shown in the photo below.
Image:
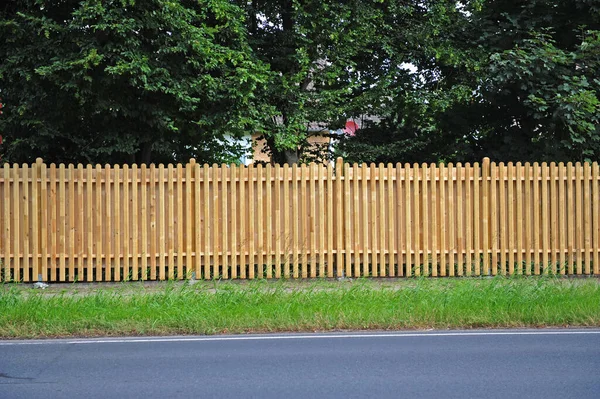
(259, 156)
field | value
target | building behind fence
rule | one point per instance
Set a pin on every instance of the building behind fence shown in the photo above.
(112, 223)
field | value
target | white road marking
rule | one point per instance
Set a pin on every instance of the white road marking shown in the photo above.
(291, 336)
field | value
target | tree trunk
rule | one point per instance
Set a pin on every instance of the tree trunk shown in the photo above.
(289, 157)
(292, 157)
(144, 154)
(287, 15)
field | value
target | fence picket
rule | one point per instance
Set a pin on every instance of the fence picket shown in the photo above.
(89, 215)
(140, 266)
(434, 176)
(373, 221)
(163, 245)
(287, 222)
(476, 219)
(127, 275)
(259, 219)
(562, 221)
(510, 189)
(206, 213)
(321, 216)
(596, 217)
(312, 221)
(250, 238)
(153, 222)
(62, 223)
(587, 217)
(460, 212)
(485, 217)
(25, 220)
(17, 224)
(519, 218)
(7, 233)
(536, 218)
(99, 250)
(545, 220)
(416, 219)
(365, 221)
(192, 197)
(169, 225)
(468, 220)
(339, 262)
(347, 221)
(554, 233)
(108, 231)
(296, 225)
(214, 269)
(579, 217)
(117, 230)
(408, 219)
(502, 216)
(570, 218)
(225, 234)
(450, 209)
(390, 219)
(35, 221)
(443, 233)
(330, 233)
(381, 220)
(277, 230)
(234, 250)
(494, 235)
(269, 220)
(179, 248)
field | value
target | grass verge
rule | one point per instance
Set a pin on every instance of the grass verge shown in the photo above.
(259, 306)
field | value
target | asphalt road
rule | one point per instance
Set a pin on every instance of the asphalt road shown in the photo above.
(476, 364)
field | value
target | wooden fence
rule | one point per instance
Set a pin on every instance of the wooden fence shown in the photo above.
(70, 223)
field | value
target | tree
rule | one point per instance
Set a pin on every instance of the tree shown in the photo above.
(125, 80)
(319, 52)
(422, 72)
(543, 102)
(439, 80)
(512, 80)
(537, 91)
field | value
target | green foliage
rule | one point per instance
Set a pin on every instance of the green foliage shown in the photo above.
(319, 54)
(98, 81)
(555, 95)
(515, 81)
(133, 81)
(538, 90)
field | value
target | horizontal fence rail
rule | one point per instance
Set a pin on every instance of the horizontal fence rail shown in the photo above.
(115, 223)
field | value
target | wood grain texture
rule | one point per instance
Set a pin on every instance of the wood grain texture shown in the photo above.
(113, 223)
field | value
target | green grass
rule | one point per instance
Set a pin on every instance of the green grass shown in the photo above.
(259, 306)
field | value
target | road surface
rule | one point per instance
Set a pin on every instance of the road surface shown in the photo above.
(473, 364)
